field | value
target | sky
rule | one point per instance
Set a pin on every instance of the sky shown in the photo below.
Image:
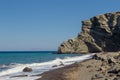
(45, 24)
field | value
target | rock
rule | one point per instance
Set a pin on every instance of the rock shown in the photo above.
(99, 33)
(116, 79)
(66, 46)
(97, 57)
(102, 69)
(114, 71)
(61, 63)
(118, 74)
(102, 58)
(106, 79)
(111, 60)
(118, 57)
(97, 76)
(89, 66)
(54, 66)
(27, 69)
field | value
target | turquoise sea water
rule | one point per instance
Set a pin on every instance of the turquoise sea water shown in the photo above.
(26, 57)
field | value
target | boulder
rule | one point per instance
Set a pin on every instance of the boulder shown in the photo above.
(27, 69)
(99, 33)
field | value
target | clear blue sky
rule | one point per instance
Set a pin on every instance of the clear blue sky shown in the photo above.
(44, 24)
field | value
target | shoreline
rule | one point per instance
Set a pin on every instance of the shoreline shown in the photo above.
(100, 67)
(16, 72)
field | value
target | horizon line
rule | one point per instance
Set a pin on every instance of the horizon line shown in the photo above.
(31, 51)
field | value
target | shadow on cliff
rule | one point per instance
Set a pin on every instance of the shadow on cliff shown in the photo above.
(105, 33)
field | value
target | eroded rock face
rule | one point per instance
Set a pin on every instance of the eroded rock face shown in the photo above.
(99, 33)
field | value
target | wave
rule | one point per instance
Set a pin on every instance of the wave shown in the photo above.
(44, 66)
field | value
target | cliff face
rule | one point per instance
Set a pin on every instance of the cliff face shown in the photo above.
(99, 33)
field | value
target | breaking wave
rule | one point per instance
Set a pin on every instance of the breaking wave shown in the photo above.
(38, 68)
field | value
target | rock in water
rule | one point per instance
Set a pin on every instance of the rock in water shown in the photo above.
(99, 33)
(27, 69)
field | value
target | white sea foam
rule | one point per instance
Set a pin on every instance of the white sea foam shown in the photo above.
(39, 68)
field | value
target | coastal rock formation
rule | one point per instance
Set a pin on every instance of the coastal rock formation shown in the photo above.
(99, 33)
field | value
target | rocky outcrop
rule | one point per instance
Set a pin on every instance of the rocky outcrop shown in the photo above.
(99, 33)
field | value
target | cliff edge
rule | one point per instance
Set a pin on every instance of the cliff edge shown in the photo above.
(99, 33)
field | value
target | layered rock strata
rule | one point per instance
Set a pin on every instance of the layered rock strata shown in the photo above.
(99, 33)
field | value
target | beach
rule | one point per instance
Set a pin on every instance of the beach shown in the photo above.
(103, 66)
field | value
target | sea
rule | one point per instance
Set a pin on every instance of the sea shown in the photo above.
(12, 63)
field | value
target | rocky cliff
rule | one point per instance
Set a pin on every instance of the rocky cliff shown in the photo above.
(99, 33)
